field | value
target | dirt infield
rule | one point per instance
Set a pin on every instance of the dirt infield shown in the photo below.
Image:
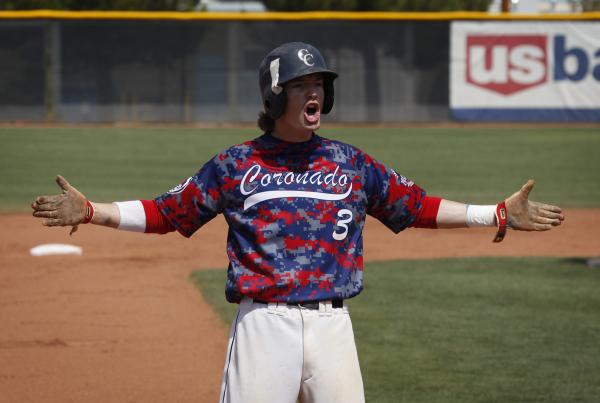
(123, 324)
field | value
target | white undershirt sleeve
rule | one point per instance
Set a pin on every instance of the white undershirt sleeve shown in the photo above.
(481, 216)
(133, 216)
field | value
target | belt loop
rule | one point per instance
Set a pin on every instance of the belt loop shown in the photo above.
(325, 308)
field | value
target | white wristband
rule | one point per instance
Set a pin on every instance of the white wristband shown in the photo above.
(481, 216)
(133, 216)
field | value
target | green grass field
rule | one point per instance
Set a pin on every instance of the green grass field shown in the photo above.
(461, 330)
(464, 164)
(471, 330)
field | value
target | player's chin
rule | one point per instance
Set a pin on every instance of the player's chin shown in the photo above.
(312, 127)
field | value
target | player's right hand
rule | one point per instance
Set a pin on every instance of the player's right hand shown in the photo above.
(67, 208)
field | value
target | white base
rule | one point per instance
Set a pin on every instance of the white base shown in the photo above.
(55, 249)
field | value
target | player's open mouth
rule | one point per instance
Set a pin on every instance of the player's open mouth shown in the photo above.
(312, 112)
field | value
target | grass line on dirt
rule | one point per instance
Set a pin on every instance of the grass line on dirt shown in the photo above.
(471, 330)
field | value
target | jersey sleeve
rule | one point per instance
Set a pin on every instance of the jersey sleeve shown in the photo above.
(195, 201)
(391, 198)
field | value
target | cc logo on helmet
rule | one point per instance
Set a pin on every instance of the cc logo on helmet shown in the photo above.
(306, 57)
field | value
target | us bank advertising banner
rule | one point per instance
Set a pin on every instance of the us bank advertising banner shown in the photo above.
(525, 71)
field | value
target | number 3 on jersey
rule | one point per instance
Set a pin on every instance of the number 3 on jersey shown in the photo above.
(345, 216)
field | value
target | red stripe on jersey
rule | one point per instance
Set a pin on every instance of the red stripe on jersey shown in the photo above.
(427, 217)
(156, 223)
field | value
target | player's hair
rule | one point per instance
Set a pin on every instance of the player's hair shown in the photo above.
(265, 122)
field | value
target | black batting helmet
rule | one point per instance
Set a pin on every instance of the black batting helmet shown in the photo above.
(285, 63)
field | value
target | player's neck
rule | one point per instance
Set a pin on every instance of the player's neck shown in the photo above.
(291, 134)
(293, 137)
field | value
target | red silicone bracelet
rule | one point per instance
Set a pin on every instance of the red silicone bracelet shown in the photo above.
(502, 221)
(89, 212)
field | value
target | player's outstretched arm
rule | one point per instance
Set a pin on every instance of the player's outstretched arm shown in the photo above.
(71, 208)
(523, 214)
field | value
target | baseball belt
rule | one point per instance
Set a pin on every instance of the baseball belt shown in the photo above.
(335, 303)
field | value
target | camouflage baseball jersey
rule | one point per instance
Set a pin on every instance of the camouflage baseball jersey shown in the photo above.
(296, 212)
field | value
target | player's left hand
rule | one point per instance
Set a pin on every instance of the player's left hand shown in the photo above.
(527, 215)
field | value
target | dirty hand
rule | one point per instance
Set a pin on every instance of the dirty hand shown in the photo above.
(526, 215)
(67, 208)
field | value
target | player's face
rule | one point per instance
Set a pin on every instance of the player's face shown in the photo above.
(303, 108)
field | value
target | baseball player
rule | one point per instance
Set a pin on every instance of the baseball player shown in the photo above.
(296, 205)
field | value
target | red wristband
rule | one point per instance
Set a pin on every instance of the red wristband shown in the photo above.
(502, 221)
(88, 213)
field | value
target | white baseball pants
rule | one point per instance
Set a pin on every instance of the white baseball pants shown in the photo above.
(282, 354)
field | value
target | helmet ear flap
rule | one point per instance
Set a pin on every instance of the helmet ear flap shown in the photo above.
(329, 97)
(274, 104)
